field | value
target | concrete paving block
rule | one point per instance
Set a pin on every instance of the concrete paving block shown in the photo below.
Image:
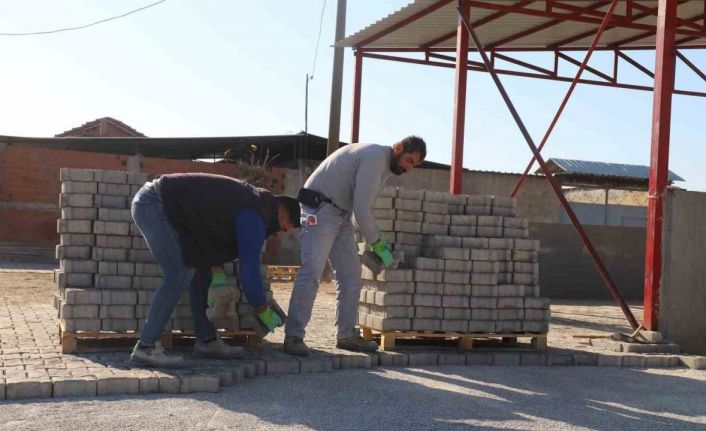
(396, 275)
(605, 360)
(111, 201)
(426, 324)
(661, 361)
(435, 207)
(479, 200)
(506, 359)
(64, 279)
(111, 228)
(357, 360)
(500, 243)
(526, 244)
(69, 311)
(148, 270)
(76, 200)
(537, 314)
(74, 296)
(455, 301)
(426, 263)
(477, 210)
(434, 218)
(2, 389)
(386, 324)
(421, 300)
(507, 326)
(141, 256)
(73, 174)
(115, 215)
(75, 213)
(198, 383)
(428, 313)
(135, 231)
(511, 290)
(484, 302)
(478, 254)
(500, 255)
(511, 302)
(108, 268)
(141, 311)
(388, 192)
(389, 286)
(74, 387)
(489, 221)
(515, 223)
(116, 312)
(485, 267)
(407, 193)
(120, 297)
(415, 216)
(74, 325)
(392, 359)
(504, 211)
(136, 178)
(456, 313)
(523, 278)
(422, 359)
(384, 214)
(504, 201)
(73, 252)
(457, 209)
(113, 241)
(392, 299)
(428, 288)
(452, 289)
(166, 383)
(113, 281)
(406, 238)
(434, 196)
(483, 278)
(448, 253)
(77, 239)
(72, 266)
(451, 358)
(114, 177)
(516, 233)
(407, 226)
(693, 361)
(484, 314)
(484, 290)
(463, 231)
(454, 265)
(434, 229)
(79, 187)
(463, 220)
(145, 296)
(585, 359)
(281, 363)
(383, 203)
(407, 204)
(533, 359)
(74, 226)
(526, 268)
(475, 243)
(454, 277)
(315, 363)
(489, 232)
(633, 361)
(119, 325)
(532, 291)
(535, 326)
(427, 276)
(442, 241)
(392, 312)
(454, 325)
(479, 359)
(560, 359)
(18, 389)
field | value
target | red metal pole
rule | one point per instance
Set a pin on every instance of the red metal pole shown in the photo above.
(456, 180)
(569, 92)
(357, 81)
(659, 156)
(552, 181)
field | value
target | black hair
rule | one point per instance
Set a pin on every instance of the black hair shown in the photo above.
(291, 204)
(412, 144)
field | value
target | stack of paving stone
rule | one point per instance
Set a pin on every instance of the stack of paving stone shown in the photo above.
(108, 276)
(469, 266)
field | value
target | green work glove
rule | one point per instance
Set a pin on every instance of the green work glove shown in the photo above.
(384, 252)
(270, 319)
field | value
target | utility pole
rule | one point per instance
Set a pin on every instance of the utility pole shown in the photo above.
(334, 125)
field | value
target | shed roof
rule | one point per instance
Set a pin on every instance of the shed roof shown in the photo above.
(602, 169)
(529, 25)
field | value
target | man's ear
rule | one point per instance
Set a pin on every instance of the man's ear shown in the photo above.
(398, 148)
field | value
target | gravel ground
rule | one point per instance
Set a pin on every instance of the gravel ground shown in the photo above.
(478, 398)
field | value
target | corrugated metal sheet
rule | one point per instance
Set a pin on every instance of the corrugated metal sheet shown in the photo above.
(584, 167)
(443, 21)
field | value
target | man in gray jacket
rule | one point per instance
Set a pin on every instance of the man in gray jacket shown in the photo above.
(346, 184)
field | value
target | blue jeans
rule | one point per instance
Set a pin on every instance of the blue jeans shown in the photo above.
(163, 241)
(331, 239)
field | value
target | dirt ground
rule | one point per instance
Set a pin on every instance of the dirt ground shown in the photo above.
(27, 287)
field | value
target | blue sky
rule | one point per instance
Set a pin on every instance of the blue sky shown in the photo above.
(237, 67)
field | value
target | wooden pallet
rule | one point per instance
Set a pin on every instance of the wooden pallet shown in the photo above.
(100, 341)
(282, 272)
(388, 339)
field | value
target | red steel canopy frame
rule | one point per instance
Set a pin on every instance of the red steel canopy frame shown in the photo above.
(558, 27)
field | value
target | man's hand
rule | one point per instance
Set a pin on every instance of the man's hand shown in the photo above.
(270, 319)
(384, 252)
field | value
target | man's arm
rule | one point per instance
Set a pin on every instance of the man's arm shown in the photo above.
(367, 185)
(250, 232)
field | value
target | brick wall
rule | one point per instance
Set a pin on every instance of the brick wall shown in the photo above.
(29, 187)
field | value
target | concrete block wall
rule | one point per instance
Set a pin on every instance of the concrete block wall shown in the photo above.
(107, 275)
(468, 266)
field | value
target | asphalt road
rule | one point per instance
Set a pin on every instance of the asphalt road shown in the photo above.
(439, 398)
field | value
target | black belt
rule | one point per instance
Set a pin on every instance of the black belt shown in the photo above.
(314, 199)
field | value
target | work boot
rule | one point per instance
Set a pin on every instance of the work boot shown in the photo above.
(356, 343)
(154, 357)
(218, 349)
(295, 346)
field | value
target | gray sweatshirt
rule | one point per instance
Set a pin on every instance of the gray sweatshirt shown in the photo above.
(352, 177)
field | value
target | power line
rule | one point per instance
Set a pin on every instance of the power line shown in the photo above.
(59, 30)
(318, 39)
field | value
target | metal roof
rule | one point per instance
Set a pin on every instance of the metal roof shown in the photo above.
(617, 170)
(528, 25)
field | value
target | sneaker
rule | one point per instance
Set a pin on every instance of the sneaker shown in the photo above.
(154, 357)
(218, 349)
(356, 343)
(295, 346)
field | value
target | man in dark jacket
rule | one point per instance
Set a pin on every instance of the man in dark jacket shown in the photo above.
(193, 223)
